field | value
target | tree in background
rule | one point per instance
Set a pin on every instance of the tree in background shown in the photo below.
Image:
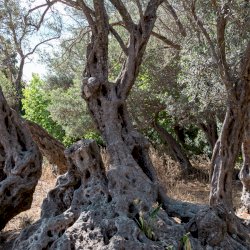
(19, 25)
(231, 58)
(35, 105)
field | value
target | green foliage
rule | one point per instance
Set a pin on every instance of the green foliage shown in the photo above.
(35, 103)
(170, 247)
(94, 135)
(146, 224)
(185, 242)
(69, 110)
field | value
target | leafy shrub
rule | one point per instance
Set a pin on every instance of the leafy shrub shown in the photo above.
(35, 103)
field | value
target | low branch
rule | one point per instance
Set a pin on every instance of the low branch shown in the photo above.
(50, 148)
(119, 40)
(176, 18)
(127, 19)
(166, 41)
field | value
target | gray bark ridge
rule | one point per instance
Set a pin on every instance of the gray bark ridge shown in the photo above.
(50, 148)
(91, 209)
(219, 228)
(245, 170)
(20, 164)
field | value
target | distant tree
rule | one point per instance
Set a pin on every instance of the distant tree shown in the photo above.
(218, 22)
(19, 24)
(8, 89)
(148, 99)
(70, 112)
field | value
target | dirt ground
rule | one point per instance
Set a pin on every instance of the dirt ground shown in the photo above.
(194, 188)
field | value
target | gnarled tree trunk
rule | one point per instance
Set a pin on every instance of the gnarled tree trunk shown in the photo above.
(245, 170)
(20, 164)
(93, 209)
(51, 148)
(224, 157)
(228, 145)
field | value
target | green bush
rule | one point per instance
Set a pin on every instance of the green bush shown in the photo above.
(35, 103)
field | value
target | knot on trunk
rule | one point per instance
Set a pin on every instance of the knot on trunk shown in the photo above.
(90, 86)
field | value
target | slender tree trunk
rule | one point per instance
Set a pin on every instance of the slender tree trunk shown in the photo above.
(228, 145)
(19, 88)
(245, 170)
(227, 149)
(210, 130)
(175, 148)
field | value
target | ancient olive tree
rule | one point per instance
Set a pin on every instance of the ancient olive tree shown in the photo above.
(235, 77)
(104, 209)
(119, 208)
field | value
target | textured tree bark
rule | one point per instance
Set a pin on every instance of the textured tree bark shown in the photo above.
(245, 170)
(20, 164)
(224, 156)
(107, 101)
(88, 207)
(50, 148)
(123, 143)
(176, 150)
(228, 145)
(91, 209)
(18, 86)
